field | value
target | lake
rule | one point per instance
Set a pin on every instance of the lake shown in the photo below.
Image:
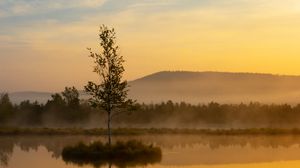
(182, 151)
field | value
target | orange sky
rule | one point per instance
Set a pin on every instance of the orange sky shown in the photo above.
(43, 44)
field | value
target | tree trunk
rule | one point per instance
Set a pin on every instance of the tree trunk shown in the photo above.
(109, 128)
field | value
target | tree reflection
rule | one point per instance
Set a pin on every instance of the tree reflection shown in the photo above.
(4, 158)
(118, 163)
(6, 150)
(55, 144)
(121, 154)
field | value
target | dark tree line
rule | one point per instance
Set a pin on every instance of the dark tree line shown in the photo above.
(215, 115)
(63, 109)
(66, 109)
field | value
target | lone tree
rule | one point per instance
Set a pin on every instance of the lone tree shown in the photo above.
(111, 93)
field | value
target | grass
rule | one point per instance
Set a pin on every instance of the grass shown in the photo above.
(121, 154)
(143, 131)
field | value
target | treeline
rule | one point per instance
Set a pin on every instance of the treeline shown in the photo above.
(67, 110)
(63, 109)
(215, 115)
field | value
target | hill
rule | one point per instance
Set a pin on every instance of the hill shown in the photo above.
(41, 97)
(223, 87)
(203, 87)
(17, 97)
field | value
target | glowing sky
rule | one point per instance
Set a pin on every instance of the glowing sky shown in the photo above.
(43, 43)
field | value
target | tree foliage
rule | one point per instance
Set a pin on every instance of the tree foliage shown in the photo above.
(6, 108)
(66, 107)
(71, 97)
(111, 93)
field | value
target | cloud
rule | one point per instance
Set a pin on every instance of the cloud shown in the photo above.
(152, 3)
(23, 7)
(2, 13)
(61, 4)
(209, 21)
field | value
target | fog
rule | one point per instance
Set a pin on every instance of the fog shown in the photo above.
(172, 100)
(201, 87)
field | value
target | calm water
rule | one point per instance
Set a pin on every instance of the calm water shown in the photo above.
(186, 151)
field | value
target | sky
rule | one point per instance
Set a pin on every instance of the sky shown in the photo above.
(43, 43)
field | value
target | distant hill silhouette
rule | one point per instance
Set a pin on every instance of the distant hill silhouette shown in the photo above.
(41, 97)
(203, 87)
(223, 87)
(17, 97)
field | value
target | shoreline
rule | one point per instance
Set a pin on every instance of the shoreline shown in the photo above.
(144, 131)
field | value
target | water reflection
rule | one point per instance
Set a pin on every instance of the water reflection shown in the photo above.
(177, 149)
(120, 163)
(121, 154)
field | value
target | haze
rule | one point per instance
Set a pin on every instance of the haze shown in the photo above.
(43, 43)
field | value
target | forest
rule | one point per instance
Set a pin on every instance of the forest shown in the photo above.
(65, 109)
